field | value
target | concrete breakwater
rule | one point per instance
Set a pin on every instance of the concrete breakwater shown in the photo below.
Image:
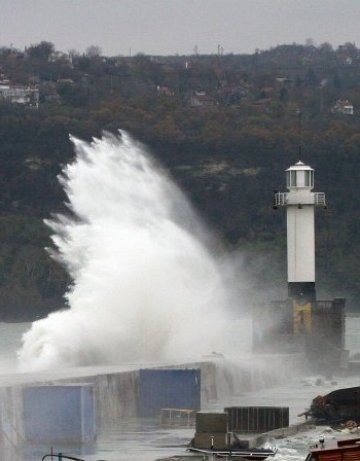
(116, 393)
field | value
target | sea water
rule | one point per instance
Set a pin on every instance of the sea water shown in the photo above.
(136, 439)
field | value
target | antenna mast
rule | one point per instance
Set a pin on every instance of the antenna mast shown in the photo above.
(299, 113)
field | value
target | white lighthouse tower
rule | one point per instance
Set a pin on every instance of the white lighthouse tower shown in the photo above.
(300, 204)
(301, 322)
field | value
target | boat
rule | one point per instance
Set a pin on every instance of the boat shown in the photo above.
(256, 454)
(335, 450)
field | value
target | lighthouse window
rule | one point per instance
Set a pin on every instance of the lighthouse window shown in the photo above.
(291, 179)
(307, 178)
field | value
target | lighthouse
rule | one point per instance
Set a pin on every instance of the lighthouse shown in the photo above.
(301, 322)
(300, 202)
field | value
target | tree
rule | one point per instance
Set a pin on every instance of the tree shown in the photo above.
(93, 51)
(326, 48)
(311, 79)
(41, 51)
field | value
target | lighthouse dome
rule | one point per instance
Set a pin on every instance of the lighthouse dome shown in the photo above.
(300, 176)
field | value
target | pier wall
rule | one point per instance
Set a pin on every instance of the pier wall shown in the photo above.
(116, 393)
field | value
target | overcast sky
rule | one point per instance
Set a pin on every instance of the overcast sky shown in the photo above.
(177, 26)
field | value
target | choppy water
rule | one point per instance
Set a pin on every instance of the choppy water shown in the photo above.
(145, 440)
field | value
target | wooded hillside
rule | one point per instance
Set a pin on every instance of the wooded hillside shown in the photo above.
(225, 126)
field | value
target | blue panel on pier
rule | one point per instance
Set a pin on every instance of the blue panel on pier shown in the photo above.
(59, 413)
(168, 388)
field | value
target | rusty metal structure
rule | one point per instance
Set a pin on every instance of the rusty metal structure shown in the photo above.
(343, 450)
(338, 406)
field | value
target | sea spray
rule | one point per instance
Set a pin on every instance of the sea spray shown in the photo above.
(145, 287)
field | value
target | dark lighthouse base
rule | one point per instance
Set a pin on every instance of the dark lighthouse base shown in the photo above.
(302, 324)
(302, 292)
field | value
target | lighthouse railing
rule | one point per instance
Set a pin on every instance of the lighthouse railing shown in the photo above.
(320, 199)
(285, 198)
(280, 198)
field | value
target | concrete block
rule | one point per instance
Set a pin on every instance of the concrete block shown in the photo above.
(216, 440)
(211, 422)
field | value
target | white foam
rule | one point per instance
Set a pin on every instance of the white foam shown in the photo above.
(145, 287)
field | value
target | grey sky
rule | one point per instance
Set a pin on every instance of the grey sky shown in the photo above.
(177, 26)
